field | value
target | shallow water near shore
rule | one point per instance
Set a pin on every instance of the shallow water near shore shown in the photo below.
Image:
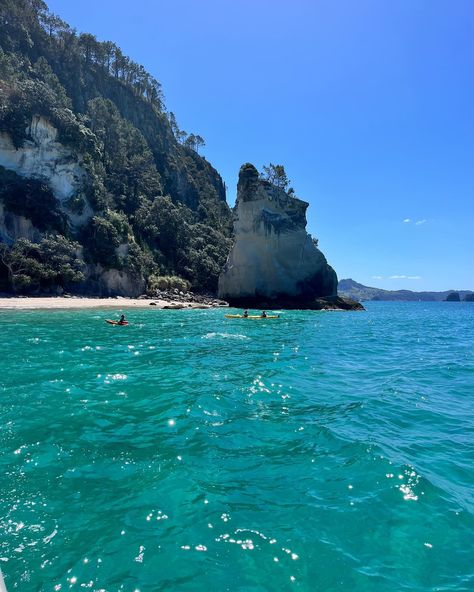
(322, 451)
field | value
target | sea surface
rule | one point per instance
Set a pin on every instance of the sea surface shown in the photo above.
(323, 451)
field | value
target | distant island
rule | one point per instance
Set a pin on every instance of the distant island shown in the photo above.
(352, 289)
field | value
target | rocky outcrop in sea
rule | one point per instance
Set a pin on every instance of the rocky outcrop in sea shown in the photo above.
(274, 262)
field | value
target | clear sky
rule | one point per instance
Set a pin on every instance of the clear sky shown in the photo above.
(369, 104)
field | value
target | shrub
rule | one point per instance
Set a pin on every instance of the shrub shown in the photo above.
(139, 263)
(101, 239)
(76, 204)
(166, 282)
(46, 265)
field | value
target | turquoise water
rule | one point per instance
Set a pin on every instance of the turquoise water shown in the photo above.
(320, 452)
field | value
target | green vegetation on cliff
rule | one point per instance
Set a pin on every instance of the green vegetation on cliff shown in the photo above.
(149, 205)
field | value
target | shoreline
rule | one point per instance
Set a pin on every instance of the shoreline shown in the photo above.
(71, 302)
(61, 302)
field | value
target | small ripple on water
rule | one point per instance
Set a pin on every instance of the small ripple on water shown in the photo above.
(225, 336)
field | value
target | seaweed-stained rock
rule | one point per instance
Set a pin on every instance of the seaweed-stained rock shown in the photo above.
(273, 257)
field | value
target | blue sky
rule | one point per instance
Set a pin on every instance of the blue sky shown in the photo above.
(369, 104)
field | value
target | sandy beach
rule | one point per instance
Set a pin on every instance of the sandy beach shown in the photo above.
(78, 302)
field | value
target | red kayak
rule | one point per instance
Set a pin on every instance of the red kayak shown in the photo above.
(116, 322)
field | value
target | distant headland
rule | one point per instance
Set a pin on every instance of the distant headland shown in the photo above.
(352, 289)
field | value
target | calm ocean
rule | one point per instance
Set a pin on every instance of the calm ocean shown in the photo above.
(189, 452)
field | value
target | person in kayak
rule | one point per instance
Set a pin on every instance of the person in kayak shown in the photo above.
(122, 320)
(264, 314)
(246, 314)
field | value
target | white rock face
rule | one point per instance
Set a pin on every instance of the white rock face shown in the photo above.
(273, 256)
(112, 282)
(43, 157)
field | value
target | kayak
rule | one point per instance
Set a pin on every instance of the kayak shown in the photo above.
(229, 316)
(116, 322)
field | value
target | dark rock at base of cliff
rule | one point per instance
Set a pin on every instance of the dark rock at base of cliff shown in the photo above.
(337, 303)
(323, 303)
(176, 296)
(469, 298)
(453, 297)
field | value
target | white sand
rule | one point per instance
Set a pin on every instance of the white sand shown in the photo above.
(77, 302)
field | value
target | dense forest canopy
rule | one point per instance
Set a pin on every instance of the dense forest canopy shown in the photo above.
(146, 187)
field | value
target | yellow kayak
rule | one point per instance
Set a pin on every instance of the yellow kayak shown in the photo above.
(229, 316)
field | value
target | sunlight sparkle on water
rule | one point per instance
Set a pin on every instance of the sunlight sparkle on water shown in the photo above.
(256, 488)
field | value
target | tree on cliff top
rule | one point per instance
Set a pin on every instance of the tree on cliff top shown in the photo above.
(276, 175)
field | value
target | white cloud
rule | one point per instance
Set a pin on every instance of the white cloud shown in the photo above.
(407, 220)
(377, 277)
(405, 277)
(420, 222)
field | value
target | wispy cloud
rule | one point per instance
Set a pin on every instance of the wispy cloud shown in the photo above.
(377, 277)
(405, 277)
(417, 223)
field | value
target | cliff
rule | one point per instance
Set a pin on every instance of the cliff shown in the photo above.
(90, 156)
(273, 261)
(42, 156)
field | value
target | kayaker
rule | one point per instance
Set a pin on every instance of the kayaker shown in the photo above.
(246, 314)
(122, 321)
(264, 314)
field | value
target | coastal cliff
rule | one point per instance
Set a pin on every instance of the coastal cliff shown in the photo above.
(93, 162)
(41, 156)
(274, 261)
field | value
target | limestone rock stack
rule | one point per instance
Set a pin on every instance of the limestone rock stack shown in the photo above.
(273, 258)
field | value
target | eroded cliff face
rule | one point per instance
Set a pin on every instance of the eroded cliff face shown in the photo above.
(111, 282)
(273, 257)
(13, 227)
(43, 157)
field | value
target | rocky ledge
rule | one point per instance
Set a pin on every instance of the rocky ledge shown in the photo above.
(180, 299)
(336, 303)
(323, 303)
